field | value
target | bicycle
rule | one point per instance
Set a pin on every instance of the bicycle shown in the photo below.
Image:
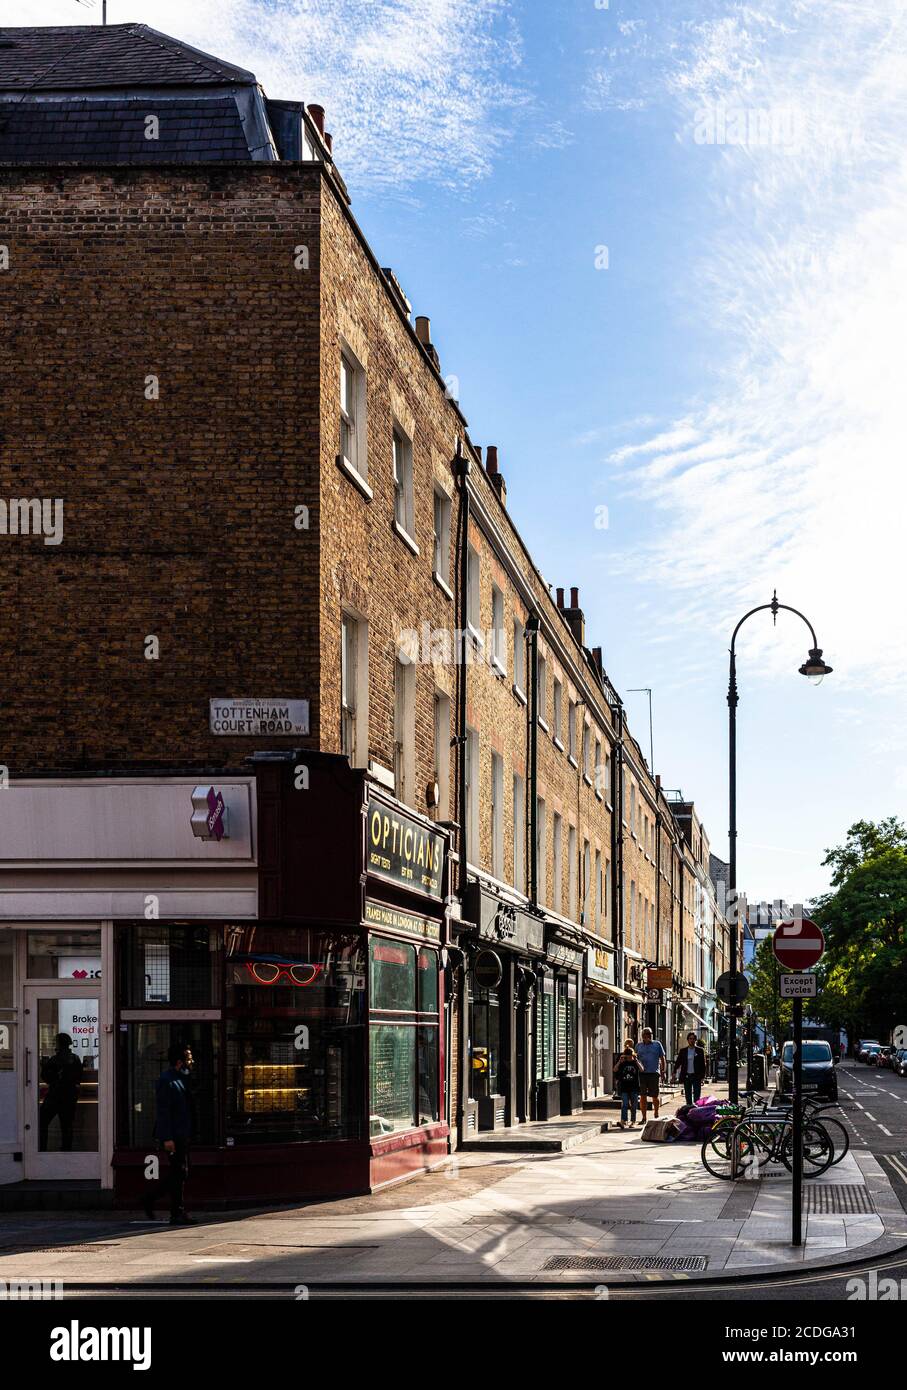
(743, 1144)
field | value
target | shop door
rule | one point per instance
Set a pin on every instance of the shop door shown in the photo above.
(523, 1001)
(62, 1081)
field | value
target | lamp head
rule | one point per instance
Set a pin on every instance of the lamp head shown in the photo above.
(814, 668)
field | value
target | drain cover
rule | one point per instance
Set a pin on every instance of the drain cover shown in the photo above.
(689, 1262)
(844, 1199)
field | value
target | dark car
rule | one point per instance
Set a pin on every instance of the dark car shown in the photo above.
(819, 1075)
(868, 1051)
(882, 1057)
(899, 1061)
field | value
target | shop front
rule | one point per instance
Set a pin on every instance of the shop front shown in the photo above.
(298, 956)
(503, 949)
(599, 1020)
(559, 1080)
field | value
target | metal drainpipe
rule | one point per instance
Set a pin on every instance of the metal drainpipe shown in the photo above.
(617, 877)
(461, 468)
(532, 653)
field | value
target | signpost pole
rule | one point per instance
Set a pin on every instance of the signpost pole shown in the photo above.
(796, 1235)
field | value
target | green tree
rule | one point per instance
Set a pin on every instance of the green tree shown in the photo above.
(863, 976)
(763, 997)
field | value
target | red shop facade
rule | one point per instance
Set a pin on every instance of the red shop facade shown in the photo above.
(318, 1029)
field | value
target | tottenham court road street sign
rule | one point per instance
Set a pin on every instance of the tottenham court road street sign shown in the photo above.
(798, 945)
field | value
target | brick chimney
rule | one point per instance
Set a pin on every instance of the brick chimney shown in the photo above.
(423, 333)
(317, 115)
(575, 619)
(494, 477)
(560, 599)
(598, 661)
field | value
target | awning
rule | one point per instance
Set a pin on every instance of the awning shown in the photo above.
(693, 1014)
(623, 993)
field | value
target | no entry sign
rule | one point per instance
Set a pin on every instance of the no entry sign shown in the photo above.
(798, 945)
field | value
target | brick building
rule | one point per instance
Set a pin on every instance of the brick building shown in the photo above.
(306, 764)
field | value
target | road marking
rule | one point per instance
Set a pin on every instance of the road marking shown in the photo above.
(859, 1106)
(897, 1165)
(886, 1131)
(870, 1117)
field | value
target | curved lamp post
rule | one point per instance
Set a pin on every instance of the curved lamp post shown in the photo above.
(815, 670)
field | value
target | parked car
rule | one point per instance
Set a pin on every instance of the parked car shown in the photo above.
(899, 1061)
(819, 1075)
(882, 1057)
(868, 1050)
(861, 1044)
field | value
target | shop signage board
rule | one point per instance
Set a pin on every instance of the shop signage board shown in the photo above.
(402, 851)
(209, 814)
(395, 919)
(487, 969)
(659, 977)
(600, 965)
(251, 716)
(798, 986)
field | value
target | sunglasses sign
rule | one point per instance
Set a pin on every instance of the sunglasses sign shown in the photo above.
(402, 851)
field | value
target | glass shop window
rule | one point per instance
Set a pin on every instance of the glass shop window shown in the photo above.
(545, 1059)
(142, 1060)
(295, 1034)
(404, 1042)
(64, 955)
(171, 966)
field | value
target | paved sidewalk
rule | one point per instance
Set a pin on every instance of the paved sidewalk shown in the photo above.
(650, 1209)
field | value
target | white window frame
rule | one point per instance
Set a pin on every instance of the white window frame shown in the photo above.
(599, 892)
(587, 880)
(519, 659)
(519, 833)
(541, 850)
(572, 871)
(543, 691)
(354, 717)
(497, 815)
(498, 632)
(442, 752)
(441, 544)
(473, 593)
(557, 860)
(557, 711)
(354, 457)
(405, 730)
(471, 827)
(571, 730)
(404, 505)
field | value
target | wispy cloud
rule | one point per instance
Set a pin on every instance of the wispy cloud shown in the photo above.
(413, 88)
(792, 462)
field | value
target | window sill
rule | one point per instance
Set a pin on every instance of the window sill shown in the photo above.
(587, 779)
(405, 537)
(442, 584)
(518, 693)
(498, 668)
(355, 477)
(571, 760)
(477, 639)
(557, 743)
(543, 724)
(599, 796)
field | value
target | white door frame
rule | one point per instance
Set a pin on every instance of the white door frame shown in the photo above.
(75, 1164)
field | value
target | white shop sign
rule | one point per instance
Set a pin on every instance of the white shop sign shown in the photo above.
(251, 716)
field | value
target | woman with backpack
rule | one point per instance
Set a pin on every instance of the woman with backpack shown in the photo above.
(627, 1074)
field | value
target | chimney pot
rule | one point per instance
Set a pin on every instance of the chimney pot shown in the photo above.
(478, 449)
(658, 780)
(423, 329)
(317, 115)
(329, 141)
(574, 598)
(492, 458)
(560, 598)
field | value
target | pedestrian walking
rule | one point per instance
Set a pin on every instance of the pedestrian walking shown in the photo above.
(62, 1074)
(653, 1061)
(173, 1130)
(628, 1076)
(690, 1068)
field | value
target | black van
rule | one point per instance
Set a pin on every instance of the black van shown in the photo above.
(819, 1075)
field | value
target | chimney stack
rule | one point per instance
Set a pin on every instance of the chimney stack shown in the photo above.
(317, 115)
(494, 477)
(575, 620)
(423, 333)
(478, 449)
(599, 662)
(329, 141)
(560, 599)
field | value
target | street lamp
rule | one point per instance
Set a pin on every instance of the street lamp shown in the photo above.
(815, 670)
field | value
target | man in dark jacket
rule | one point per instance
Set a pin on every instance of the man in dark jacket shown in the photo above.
(62, 1074)
(173, 1129)
(690, 1068)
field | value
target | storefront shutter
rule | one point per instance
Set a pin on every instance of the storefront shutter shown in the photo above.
(563, 1024)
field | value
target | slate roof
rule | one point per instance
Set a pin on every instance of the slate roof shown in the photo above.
(112, 131)
(51, 58)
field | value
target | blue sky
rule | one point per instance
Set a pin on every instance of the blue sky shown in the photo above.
(730, 388)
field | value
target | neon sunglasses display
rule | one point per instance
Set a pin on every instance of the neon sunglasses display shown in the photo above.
(269, 972)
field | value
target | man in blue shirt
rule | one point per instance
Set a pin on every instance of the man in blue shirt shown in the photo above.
(173, 1130)
(652, 1060)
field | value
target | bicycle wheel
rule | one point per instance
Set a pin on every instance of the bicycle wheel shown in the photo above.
(716, 1154)
(837, 1133)
(818, 1150)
